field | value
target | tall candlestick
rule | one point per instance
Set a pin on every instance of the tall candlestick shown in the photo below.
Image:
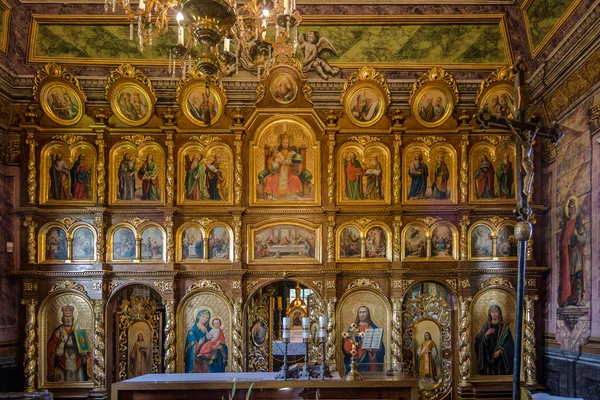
(323, 321)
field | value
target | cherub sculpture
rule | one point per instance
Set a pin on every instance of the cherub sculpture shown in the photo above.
(312, 45)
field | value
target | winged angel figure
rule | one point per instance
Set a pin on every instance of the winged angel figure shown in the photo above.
(312, 45)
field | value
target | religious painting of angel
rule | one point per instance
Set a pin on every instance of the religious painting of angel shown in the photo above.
(481, 241)
(311, 44)
(124, 246)
(506, 244)
(415, 242)
(56, 244)
(441, 242)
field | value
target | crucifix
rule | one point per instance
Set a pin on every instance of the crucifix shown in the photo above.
(524, 131)
(353, 334)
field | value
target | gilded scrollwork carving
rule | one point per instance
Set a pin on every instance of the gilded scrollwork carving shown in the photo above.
(99, 346)
(32, 173)
(363, 139)
(50, 71)
(464, 340)
(100, 170)
(330, 238)
(529, 354)
(99, 224)
(397, 334)
(435, 74)
(429, 220)
(31, 355)
(169, 344)
(129, 71)
(68, 285)
(428, 307)
(205, 284)
(430, 140)
(169, 238)
(364, 282)
(367, 74)
(331, 329)
(238, 177)
(397, 173)
(206, 139)
(137, 139)
(330, 168)
(501, 74)
(495, 139)
(258, 353)
(31, 226)
(163, 287)
(396, 241)
(136, 221)
(137, 308)
(497, 281)
(238, 323)
(464, 229)
(533, 221)
(363, 221)
(237, 238)
(170, 175)
(30, 286)
(464, 168)
(452, 283)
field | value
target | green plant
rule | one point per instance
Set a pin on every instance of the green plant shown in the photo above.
(233, 391)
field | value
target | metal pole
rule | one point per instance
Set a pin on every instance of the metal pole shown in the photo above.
(519, 319)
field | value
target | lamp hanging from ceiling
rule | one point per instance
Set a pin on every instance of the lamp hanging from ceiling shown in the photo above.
(208, 29)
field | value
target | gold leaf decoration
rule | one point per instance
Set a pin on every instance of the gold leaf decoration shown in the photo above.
(69, 138)
(363, 221)
(128, 71)
(137, 138)
(364, 139)
(136, 221)
(495, 220)
(430, 140)
(364, 282)
(68, 285)
(501, 74)
(494, 139)
(435, 74)
(429, 220)
(52, 70)
(205, 284)
(496, 281)
(67, 221)
(204, 221)
(366, 74)
(205, 139)
(194, 74)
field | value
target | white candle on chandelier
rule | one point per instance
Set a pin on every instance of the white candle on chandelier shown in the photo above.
(226, 44)
(180, 30)
(141, 5)
(305, 323)
(286, 323)
(286, 6)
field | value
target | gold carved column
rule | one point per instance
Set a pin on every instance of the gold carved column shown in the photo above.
(331, 332)
(397, 172)
(31, 353)
(464, 168)
(100, 170)
(169, 234)
(331, 168)
(397, 334)
(100, 224)
(31, 226)
(464, 340)
(99, 346)
(464, 232)
(170, 176)
(529, 354)
(31, 177)
(238, 324)
(237, 238)
(169, 344)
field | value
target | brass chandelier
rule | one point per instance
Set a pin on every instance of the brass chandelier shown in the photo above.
(215, 35)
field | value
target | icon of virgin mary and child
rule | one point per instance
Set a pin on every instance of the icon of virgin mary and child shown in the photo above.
(205, 347)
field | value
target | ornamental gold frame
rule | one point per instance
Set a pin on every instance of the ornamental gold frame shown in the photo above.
(428, 236)
(307, 20)
(371, 148)
(211, 148)
(253, 228)
(363, 235)
(137, 231)
(536, 51)
(206, 230)
(4, 36)
(43, 339)
(493, 153)
(45, 164)
(69, 238)
(181, 329)
(302, 124)
(388, 326)
(114, 163)
(494, 229)
(426, 158)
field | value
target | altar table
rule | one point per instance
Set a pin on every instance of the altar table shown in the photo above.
(218, 385)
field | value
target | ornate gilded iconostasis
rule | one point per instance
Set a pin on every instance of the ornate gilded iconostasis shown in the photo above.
(173, 239)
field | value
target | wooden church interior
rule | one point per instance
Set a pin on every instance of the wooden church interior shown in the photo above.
(324, 180)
